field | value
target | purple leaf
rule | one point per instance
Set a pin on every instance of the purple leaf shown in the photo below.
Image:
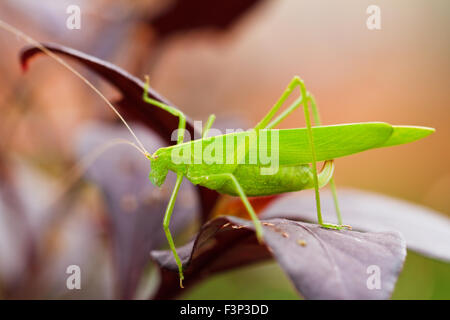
(425, 230)
(32, 211)
(322, 263)
(18, 254)
(134, 206)
(131, 106)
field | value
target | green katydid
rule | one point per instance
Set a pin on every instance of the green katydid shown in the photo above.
(296, 149)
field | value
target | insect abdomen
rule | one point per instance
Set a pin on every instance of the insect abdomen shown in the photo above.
(287, 179)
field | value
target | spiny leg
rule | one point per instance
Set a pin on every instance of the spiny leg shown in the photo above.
(297, 103)
(295, 82)
(208, 125)
(243, 196)
(268, 123)
(265, 123)
(313, 151)
(336, 203)
(171, 110)
(239, 190)
(317, 120)
(269, 116)
(166, 223)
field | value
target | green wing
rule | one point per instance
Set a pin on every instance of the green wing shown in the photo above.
(342, 140)
(293, 146)
(406, 134)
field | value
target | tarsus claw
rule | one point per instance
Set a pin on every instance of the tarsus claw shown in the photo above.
(181, 281)
(335, 226)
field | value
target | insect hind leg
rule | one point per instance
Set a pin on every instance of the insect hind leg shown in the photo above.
(268, 123)
(337, 209)
(297, 82)
(208, 125)
(263, 124)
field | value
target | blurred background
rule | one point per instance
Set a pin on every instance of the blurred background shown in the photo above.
(399, 74)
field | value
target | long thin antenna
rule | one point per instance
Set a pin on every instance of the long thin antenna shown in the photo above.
(35, 43)
(83, 165)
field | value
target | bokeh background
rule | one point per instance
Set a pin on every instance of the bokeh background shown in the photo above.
(399, 74)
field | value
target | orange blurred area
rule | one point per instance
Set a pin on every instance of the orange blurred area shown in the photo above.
(399, 74)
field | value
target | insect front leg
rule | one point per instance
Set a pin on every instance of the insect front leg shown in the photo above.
(171, 110)
(166, 223)
(180, 139)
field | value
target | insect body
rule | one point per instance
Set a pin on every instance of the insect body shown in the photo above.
(227, 171)
(242, 168)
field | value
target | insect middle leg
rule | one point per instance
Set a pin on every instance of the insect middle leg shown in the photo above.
(240, 191)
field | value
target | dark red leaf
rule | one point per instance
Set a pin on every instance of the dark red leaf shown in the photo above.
(15, 211)
(322, 263)
(135, 207)
(131, 106)
(425, 230)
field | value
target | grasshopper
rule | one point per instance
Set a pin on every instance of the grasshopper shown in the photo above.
(296, 149)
